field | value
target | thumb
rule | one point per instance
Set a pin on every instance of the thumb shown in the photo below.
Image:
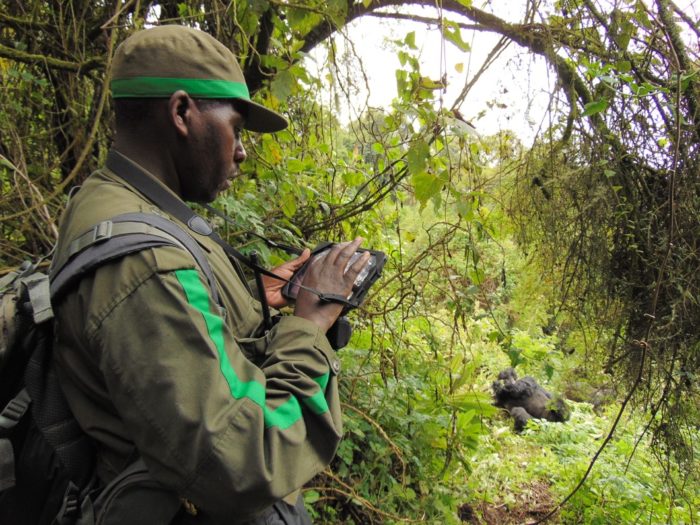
(297, 263)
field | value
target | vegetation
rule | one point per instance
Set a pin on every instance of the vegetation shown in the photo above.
(573, 259)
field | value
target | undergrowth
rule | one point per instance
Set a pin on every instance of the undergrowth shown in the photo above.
(423, 443)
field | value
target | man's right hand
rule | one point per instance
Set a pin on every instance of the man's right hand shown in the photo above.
(328, 275)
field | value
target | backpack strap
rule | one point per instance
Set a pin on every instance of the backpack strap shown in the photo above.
(107, 241)
(123, 235)
(39, 293)
(9, 418)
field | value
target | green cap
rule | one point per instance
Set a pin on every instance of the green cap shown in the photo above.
(156, 62)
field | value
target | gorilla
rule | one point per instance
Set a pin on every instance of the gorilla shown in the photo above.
(525, 399)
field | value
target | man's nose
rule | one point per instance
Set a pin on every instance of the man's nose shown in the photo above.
(239, 154)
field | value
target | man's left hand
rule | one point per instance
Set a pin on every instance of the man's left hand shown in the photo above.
(273, 287)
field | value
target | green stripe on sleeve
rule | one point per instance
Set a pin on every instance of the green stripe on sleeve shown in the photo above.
(317, 403)
(283, 416)
(323, 380)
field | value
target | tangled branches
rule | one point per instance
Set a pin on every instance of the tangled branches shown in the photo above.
(616, 204)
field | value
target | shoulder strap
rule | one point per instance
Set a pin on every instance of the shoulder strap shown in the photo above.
(120, 236)
(167, 201)
(9, 418)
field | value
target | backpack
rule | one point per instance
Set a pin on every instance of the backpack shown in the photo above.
(47, 463)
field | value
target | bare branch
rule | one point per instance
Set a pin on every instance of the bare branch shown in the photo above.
(50, 62)
(422, 19)
(22, 24)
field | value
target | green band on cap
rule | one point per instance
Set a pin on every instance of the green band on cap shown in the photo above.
(156, 87)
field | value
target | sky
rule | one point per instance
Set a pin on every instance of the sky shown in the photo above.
(513, 94)
(518, 82)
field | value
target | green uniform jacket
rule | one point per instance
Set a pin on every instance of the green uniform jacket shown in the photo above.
(228, 417)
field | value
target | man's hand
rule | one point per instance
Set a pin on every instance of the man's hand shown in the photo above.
(328, 275)
(273, 287)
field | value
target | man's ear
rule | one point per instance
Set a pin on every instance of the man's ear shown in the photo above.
(180, 107)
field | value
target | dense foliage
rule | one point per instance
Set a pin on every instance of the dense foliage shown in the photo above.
(573, 259)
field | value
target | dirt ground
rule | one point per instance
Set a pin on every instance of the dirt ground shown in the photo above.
(533, 503)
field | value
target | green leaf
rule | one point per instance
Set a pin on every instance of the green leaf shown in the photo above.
(465, 208)
(410, 40)
(345, 451)
(259, 6)
(352, 177)
(338, 11)
(428, 83)
(289, 205)
(311, 496)
(417, 157)
(594, 107)
(425, 186)
(402, 84)
(549, 370)
(515, 357)
(472, 403)
(453, 34)
(302, 20)
(294, 166)
(624, 66)
(476, 275)
(282, 85)
(628, 30)
(685, 80)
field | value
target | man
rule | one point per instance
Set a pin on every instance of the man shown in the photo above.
(229, 417)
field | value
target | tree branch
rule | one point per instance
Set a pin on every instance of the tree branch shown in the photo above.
(683, 62)
(684, 16)
(22, 24)
(50, 62)
(254, 72)
(422, 20)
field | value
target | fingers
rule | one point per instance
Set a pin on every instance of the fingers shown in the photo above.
(342, 252)
(359, 264)
(330, 273)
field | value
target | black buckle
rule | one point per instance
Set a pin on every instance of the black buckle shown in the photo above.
(14, 410)
(70, 506)
(102, 231)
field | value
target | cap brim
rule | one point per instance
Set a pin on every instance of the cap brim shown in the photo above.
(261, 119)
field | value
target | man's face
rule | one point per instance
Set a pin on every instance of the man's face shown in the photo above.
(215, 151)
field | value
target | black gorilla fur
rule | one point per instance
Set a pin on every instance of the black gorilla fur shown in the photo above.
(525, 399)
